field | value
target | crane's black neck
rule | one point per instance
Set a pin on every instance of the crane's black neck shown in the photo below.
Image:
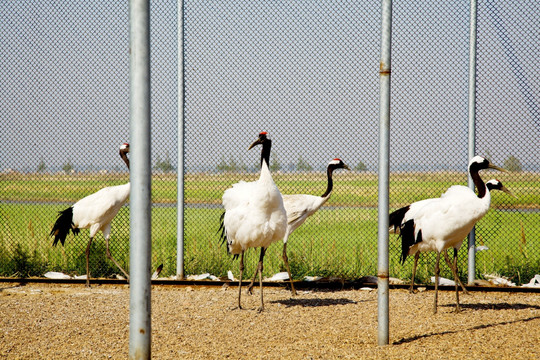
(265, 152)
(123, 155)
(480, 186)
(330, 185)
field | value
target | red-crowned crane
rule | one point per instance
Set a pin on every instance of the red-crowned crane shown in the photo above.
(94, 212)
(442, 223)
(300, 206)
(490, 185)
(254, 215)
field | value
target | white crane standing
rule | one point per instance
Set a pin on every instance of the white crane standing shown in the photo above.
(442, 223)
(254, 215)
(490, 185)
(300, 206)
(94, 212)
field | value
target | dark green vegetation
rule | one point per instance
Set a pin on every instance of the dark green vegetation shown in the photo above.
(340, 240)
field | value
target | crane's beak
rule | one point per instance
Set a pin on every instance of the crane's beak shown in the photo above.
(495, 167)
(255, 143)
(345, 166)
(505, 189)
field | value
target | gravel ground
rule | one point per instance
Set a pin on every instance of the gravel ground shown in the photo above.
(41, 321)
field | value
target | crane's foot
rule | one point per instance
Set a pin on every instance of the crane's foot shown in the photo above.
(293, 292)
(251, 285)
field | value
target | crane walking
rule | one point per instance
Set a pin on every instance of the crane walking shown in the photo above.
(254, 215)
(94, 212)
(442, 223)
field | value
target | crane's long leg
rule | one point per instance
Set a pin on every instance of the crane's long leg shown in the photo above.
(87, 262)
(416, 256)
(240, 281)
(260, 270)
(286, 261)
(454, 269)
(465, 291)
(436, 282)
(109, 255)
(250, 287)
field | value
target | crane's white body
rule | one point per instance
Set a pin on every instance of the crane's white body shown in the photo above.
(299, 207)
(96, 211)
(443, 223)
(446, 221)
(254, 213)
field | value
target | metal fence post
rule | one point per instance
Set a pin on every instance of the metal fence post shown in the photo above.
(472, 130)
(180, 166)
(140, 177)
(384, 169)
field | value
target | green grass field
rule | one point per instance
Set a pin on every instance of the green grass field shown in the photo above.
(339, 240)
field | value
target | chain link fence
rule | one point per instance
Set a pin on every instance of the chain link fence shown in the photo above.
(305, 72)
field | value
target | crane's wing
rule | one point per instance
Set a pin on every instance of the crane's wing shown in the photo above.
(299, 207)
(238, 195)
(458, 191)
(451, 216)
(100, 207)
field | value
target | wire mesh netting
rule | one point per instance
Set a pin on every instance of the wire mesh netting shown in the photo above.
(305, 72)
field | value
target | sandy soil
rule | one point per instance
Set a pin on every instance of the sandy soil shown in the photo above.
(39, 321)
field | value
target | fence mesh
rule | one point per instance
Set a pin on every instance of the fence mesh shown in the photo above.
(305, 72)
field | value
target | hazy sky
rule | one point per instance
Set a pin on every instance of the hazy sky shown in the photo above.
(305, 71)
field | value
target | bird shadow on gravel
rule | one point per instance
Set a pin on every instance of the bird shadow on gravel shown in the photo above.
(498, 306)
(314, 302)
(483, 326)
(11, 287)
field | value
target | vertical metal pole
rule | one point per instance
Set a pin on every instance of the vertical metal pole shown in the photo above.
(140, 177)
(472, 129)
(180, 166)
(384, 174)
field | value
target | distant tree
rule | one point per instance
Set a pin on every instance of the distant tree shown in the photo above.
(231, 166)
(302, 165)
(68, 167)
(274, 164)
(360, 167)
(512, 164)
(41, 166)
(164, 165)
(222, 165)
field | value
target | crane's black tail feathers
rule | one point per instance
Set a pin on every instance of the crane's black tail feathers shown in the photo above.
(223, 235)
(407, 238)
(396, 218)
(62, 226)
(406, 231)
